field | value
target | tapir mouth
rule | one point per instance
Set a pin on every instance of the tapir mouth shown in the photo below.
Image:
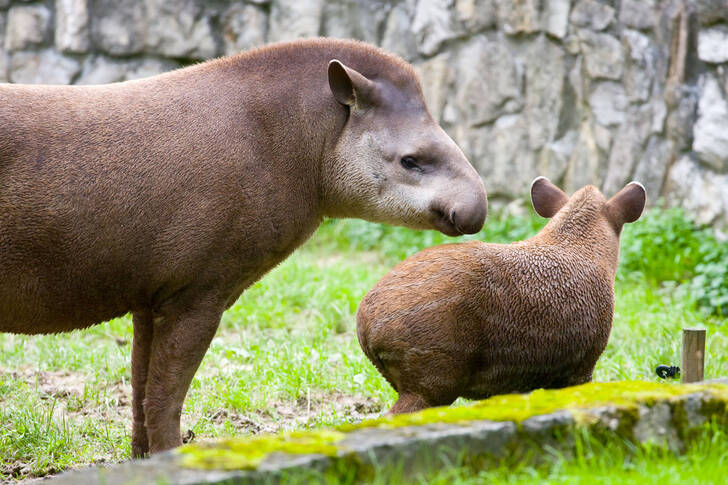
(445, 224)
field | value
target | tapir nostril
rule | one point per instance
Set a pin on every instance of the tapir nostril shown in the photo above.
(454, 221)
(469, 220)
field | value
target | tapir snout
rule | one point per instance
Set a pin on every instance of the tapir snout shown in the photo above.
(465, 215)
(463, 207)
(468, 216)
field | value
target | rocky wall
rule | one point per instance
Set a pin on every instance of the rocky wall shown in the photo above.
(583, 91)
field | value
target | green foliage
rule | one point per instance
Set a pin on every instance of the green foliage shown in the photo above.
(710, 284)
(615, 461)
(664, 245)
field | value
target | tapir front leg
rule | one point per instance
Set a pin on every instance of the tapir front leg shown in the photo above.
(140, 353)
(179, 344)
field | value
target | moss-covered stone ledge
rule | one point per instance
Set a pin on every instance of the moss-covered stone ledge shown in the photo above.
(482, 433)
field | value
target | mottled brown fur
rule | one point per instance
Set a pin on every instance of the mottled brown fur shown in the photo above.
(167, 197)
(477, 319)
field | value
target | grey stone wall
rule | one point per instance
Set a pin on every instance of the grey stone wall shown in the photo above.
(583, 91)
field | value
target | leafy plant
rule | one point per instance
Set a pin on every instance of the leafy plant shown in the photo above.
(710, 284)
(664, 245)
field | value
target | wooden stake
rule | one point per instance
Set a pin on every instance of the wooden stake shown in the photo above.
(693, 354)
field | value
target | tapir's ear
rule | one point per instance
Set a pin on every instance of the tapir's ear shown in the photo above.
(547, 198)
(628, 203)
(349, 86)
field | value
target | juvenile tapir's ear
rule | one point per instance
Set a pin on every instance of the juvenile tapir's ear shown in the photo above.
(628, 203)
(349, 86)
(547, 198)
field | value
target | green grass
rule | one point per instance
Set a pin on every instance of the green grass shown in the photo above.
(705, 461)
(286, 356)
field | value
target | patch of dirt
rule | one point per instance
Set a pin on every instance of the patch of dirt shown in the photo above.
(304, 413)
(69, 391)
(74, 399)
(51, 384)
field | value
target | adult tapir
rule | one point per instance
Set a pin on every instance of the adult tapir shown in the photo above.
(167, 197)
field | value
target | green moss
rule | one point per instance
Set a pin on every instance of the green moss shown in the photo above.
(247, 453)
(518, 407)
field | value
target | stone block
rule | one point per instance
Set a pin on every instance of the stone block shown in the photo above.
(522, 16)
(437, 75)
(639, 14)
(592, 14)
(556, 17)
(629, 142)
(355, 19)
(640, 68)
(72, 20)
(45, 67)
(477, 15)
(501, 157)
(102, 70)
(698, 190)
(433, 25)
(27, 26)
(710, 133)
(545, 74)
(585, 163)
(292, 19)
(119, 26)
(398, 36)
(180, 28)
(652, 167)
(149, 67)
(680, 118)
(3, 53)
(488, 83)
(3, 66)
(608, 102)
(713, 44)
(603, 56)
(554, 157)
(244, 26)
(711, 11)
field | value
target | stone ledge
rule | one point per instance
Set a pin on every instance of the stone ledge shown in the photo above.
(426, 441)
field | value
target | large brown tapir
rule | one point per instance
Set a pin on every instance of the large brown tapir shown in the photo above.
(167, 197)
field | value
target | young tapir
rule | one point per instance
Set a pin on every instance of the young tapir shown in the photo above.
(167, 197)
(478, 319)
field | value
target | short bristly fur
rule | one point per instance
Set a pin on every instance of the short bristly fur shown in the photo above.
(167, 197)
(478, 319)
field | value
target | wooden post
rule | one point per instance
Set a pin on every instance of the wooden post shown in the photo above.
(693, 354)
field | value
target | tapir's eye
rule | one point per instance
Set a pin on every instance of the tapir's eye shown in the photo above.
(410, 163)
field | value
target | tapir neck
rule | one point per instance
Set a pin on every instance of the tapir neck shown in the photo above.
(282, 98)
(592, 244)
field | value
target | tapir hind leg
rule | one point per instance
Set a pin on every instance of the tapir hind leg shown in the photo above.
(140, 352)
(179, 344)
(408, 403)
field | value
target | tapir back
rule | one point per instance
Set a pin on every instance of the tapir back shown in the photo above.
(114, 197)
(548, 317)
